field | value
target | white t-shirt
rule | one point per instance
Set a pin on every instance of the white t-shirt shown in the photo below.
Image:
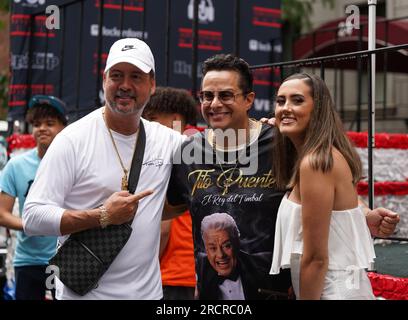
(80, 171)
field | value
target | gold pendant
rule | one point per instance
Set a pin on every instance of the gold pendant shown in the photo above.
(124, 183)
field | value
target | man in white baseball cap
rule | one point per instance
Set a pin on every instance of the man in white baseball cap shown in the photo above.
(93, 157)
(133, 51)
(129, 79)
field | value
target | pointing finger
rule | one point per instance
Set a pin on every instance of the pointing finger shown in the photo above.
(141, 195)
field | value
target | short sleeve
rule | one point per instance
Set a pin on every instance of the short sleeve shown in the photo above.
(177, 192)
(7, 180)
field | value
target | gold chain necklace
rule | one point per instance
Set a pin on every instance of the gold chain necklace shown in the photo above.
(253, 124)
(228, 178)
(124, 185)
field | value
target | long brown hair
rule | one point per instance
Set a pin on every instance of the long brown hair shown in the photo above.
(325, 131)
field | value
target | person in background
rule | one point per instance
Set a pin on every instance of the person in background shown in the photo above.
(47, 115)
(175, 108)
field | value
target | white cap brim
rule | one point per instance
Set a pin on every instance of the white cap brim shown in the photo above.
(137, 63)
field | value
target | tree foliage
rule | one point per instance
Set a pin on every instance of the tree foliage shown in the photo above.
(297, 12)
(5, 5)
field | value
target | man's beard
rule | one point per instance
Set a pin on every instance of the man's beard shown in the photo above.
(121, 94)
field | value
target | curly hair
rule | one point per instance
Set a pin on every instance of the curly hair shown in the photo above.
(44, 111)
(172, 100)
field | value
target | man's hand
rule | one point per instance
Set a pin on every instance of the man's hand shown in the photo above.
(382, 222)
(122, 206)
(270, 121)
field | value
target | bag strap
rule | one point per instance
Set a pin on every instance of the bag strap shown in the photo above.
(137, 159)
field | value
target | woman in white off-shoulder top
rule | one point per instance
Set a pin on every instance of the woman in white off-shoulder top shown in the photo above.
(321, 232)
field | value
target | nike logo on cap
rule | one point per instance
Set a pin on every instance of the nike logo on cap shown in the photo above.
(128, 47)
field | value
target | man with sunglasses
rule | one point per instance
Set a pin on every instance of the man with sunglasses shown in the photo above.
(234, 176)
(46, 114)
(231, 172)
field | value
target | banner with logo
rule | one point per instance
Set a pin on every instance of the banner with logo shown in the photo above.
(64, 60)
(44, 61)
(260, 39)
(215, 34)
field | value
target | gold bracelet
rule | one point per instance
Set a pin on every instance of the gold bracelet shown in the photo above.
(103, 218)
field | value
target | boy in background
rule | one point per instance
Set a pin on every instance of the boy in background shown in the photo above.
(47, 116)
(175, 108)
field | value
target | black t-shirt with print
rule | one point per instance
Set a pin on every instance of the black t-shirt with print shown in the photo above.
(208, 187)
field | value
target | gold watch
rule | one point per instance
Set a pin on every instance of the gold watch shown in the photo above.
(103, 218)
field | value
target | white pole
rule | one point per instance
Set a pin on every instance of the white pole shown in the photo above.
(371, 141)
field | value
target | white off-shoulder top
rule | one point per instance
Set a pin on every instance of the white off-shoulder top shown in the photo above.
(350, 243)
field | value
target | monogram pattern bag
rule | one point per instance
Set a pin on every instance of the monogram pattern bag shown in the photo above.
(85, 256)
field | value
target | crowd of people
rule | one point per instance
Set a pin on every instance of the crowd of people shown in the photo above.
(243, 210)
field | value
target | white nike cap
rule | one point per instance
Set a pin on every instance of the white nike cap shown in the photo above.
(133, 51)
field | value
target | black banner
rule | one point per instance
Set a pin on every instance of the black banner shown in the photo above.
(261, 43)
(65, 62)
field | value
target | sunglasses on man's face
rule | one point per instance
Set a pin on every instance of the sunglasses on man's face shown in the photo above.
(225, 97)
